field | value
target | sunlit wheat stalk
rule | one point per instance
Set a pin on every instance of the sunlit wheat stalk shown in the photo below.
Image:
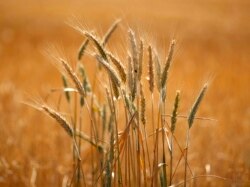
(190, 123)
(173, 126)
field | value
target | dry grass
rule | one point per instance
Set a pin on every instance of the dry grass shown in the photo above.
(212, 44)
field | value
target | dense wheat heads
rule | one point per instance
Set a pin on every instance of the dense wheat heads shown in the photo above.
(116, 102)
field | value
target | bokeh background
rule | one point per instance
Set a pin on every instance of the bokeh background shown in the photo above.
(213, 44)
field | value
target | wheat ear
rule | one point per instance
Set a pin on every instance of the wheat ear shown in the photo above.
(110, 32)
(140, 60)
(98, 44)
(119, 66)
(83, 48)
(59, 118)
(150, 70)
(174, 113)
(73, 77)
(115, 81)
(195, 106)
(167, 65)
(143, 106)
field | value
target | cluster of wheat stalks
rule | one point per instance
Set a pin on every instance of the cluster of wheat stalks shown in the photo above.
(124, 152)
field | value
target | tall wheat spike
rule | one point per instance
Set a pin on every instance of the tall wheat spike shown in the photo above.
(150, 70)
(167, 65)
(135, 64)
(74, 78)
(140, 60)
(143, 106)
(130, 75)
(157, 70)
(195, 106)
(174, 113)
(83, 48)
(133, 45)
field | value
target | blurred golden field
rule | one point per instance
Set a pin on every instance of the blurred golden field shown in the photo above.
(213, 44)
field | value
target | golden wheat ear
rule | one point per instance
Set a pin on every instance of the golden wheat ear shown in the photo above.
(119, 66)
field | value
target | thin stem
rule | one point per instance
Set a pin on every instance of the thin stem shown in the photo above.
(163, 108)
(152, 113)
(186, 158)
(171, 160)
(117, 138)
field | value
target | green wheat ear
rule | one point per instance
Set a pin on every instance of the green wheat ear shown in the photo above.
(83, 48)
(174, 113)
(195, 106)
(65, 85)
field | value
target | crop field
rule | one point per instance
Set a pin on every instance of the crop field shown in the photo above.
(119, 127)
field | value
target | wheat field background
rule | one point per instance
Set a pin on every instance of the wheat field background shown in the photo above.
(213, 44)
